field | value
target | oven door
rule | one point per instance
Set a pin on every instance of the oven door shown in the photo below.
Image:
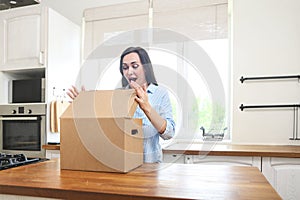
(23, 134)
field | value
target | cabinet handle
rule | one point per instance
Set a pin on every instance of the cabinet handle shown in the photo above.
(17, 118)
(41, 58)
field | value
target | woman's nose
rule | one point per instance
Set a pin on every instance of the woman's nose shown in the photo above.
(130, 70)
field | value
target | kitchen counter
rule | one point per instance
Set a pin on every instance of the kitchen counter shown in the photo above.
(209, 148)
(287, 151)
(150, 181)
(51, 146)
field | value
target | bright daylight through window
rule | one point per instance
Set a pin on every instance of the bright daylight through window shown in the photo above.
(206, 25)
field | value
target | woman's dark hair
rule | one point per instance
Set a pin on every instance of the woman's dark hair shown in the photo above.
(146, 62)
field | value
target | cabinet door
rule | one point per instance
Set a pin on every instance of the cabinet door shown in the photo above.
(21, 36)
(225, 160)
(173, 158)
(50, 154)
(284, 175)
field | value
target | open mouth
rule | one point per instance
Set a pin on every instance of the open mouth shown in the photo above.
(132, 79)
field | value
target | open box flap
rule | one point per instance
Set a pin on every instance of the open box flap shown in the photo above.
(102, 103)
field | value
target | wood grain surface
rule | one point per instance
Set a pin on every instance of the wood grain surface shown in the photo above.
(150, 181)
(287, 151)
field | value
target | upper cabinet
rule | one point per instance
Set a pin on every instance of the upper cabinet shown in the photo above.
(22, 38)
(37, 41)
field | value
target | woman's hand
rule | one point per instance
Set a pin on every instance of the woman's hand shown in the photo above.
(73, 92)
(142, 96)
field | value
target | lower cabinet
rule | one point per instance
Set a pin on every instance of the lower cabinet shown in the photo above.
(18, 197)
(173, 158)
(50, 154)
(213, 160)
(284, 175)
(224, 160)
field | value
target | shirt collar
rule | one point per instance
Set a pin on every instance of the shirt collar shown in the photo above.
(151, 88)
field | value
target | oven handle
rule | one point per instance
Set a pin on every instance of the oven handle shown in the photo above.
(17, 118)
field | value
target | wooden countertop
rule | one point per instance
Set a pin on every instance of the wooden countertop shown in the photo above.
(288, 151)
(51, 147)
(150, 181)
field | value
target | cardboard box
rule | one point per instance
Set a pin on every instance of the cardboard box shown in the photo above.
(98, 132)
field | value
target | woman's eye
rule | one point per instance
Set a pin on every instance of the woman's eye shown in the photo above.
(124, 67)
(135, 65)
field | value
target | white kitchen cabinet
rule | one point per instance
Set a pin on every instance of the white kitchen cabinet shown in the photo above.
(284, 175)
(37, 41)
(173, 158)
(19, 197)
(22, 38)
(62, 60)
(50, 154)
(224, 160)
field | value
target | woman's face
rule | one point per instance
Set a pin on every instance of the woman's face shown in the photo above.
(133, 69)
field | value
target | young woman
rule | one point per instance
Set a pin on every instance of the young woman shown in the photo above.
(154, 104)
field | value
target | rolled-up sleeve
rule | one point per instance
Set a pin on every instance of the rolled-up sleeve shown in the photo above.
(160, 101)
(167, 114)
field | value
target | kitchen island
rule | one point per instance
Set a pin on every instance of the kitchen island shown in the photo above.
(150, 181)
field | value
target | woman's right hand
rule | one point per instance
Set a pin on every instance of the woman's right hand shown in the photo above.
(73, 92)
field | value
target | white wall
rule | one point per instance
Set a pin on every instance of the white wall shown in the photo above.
(63, 61)
(265, 42)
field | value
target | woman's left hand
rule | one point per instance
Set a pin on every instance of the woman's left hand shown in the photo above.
(142, 96)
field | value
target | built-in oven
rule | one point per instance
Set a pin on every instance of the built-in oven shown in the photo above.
(23, 129)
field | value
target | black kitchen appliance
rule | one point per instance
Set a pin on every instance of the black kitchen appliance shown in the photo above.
(27, 90)
(14, 160)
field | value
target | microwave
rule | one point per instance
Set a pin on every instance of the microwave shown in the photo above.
(27, 91)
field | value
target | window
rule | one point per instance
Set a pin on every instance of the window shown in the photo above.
(189, 49)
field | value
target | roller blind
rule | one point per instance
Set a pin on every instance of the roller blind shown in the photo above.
(104, 22)
(196, 19)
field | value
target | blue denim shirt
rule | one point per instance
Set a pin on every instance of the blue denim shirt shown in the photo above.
(160, 101)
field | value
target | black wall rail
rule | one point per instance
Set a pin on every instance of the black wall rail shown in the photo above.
(242, 107)
(242, 79)
(295, 114)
